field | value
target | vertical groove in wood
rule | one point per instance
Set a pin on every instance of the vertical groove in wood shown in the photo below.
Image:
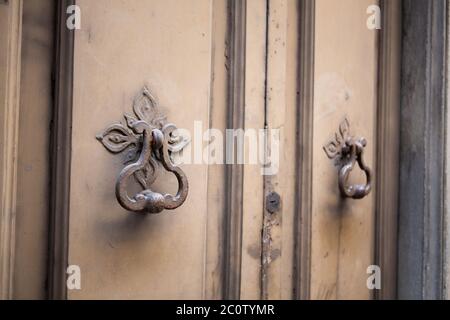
(234, 179)
(61, 156)
(305, 149)
(280, 149)
(9, 114)
(387, 173)
(266, 236)
(214, 259)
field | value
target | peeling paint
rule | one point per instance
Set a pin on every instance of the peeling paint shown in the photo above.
(269, 254)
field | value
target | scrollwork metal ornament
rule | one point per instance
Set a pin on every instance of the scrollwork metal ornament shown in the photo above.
(150, 142)
(347, 150)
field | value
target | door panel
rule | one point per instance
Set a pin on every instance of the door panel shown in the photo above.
(122, 46)
(345, 84)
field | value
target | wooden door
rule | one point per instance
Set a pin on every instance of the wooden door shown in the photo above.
(345, 89)
(330, 74)
(292, 76)
(122, 47)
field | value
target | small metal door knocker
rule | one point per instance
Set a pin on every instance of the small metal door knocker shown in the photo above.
(347, 151)
(150, 142)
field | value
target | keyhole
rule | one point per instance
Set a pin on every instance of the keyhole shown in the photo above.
(273, 201)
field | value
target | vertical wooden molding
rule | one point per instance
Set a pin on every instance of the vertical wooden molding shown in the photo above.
(214, 254)
(61, 156)
(9, 134)
(422, 150)
(234, 180)
(305, 149)
(281, 111)
(388, 112)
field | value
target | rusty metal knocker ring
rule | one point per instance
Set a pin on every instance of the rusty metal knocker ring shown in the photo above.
(347, 151)
(150, 142)
(354, 150)
(148, 200)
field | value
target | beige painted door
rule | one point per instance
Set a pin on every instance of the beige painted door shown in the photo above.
(121, 47)
(299, 67)
(345, 85)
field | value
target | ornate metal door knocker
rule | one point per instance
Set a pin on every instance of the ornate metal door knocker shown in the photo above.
(150, 142)
(347, 151)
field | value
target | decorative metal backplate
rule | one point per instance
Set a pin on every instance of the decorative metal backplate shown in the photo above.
(347, 150)
(149, 141)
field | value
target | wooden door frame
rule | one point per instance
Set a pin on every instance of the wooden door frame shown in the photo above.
(423, 188)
